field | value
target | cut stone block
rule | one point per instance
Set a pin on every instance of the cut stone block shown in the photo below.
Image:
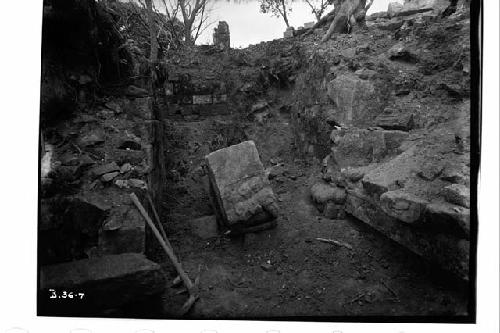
(444, 249)
(220, 98)
(108, 282)
(202, 99)
(240, 187)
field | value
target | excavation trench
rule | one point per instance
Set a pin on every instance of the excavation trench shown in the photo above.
(387, 141)
(284, 271)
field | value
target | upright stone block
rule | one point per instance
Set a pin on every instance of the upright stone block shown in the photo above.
(242, 193)
(221, 36)
(289, 32)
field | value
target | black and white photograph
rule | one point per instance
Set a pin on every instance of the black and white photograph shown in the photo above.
(308, 161)
(258, 159)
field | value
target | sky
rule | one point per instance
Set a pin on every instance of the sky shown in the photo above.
(248, 25)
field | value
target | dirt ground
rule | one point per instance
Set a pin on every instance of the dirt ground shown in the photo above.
(286, 272)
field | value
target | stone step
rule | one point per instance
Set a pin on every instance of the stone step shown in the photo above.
(107, 282)
(442, 247)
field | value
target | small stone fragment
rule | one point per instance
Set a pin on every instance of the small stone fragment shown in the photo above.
(266, 267)
(121, 183)
(103, 169)
(114, 107)
(134, 91)
(457, 194)
(138, 183)
(109, 176)
(353, 174)
(322, 193)
(453, 175)
(126, 167)
(91, 139)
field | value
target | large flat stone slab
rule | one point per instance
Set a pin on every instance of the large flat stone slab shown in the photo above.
(411, 7)
(242, 193)
(107, 282)
(445, 249)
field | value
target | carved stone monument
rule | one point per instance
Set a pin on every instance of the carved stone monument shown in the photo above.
(221, 36)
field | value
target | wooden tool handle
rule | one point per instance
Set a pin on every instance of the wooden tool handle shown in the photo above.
(168, 250)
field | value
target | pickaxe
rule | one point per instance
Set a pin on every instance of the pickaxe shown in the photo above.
(191, 287)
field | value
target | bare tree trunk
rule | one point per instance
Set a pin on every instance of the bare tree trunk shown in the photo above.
(285, 17)
(189, 13)
(188, 38)
(368, 5)
(350, 12)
